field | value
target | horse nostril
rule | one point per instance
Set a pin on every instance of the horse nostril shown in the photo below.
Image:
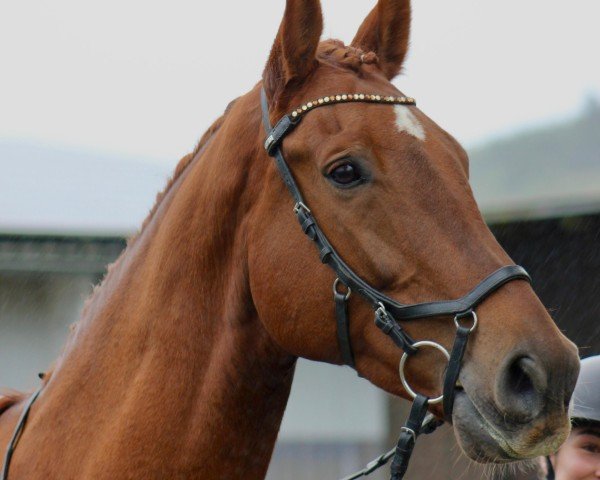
(519, 382)
(520, 389)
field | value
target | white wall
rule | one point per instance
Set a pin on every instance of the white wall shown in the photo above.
(35, 313)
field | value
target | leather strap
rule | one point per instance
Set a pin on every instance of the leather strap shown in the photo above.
(343, 327)
(408, 437)
(373, 465)
(551, 474)
(17, 433)
(453, 369)
(454, 307)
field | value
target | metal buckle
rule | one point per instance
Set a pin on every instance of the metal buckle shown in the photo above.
(381, 311)
(382, 319)
(407, 387)
(465, 315)
(336, 282)
(300, 206)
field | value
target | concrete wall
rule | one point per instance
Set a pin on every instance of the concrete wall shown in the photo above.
(35, 313)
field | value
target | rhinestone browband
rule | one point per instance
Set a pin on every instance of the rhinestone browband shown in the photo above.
(351, 97)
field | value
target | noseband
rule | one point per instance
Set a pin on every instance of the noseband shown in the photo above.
(387, 310)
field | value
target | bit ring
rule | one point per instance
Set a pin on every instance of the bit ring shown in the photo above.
(407, 387)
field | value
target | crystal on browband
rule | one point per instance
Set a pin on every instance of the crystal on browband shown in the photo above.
(351, 97)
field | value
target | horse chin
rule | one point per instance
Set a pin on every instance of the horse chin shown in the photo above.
(485, 442)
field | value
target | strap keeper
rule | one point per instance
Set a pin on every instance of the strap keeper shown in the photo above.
(269, 142)
(324, 253)
(283, 127)
(308, 222)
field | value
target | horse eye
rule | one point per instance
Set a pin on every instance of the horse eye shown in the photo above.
(345, 174)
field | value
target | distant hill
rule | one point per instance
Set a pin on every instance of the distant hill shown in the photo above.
(540, 171)
(53, 190)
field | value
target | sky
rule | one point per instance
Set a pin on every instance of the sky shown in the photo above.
(145, 79)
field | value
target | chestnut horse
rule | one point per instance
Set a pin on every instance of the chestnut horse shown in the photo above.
(181, 364)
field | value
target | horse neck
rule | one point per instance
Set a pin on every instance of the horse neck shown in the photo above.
(170, 347)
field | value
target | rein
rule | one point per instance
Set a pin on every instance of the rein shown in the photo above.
(387, 310)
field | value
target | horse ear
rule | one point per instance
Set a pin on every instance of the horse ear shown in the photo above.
(292, 57)
(385, 31)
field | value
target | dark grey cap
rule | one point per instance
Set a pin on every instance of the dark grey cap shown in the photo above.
(586, 398)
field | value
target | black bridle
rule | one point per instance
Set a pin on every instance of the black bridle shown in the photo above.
(387, 310)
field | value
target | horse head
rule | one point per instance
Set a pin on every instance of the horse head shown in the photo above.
(390, 190)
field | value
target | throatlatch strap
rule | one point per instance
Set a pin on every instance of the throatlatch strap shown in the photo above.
(408, 437)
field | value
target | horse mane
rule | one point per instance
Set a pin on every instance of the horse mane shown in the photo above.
(182, 166)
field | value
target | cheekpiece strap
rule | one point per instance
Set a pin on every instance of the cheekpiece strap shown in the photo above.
(453, 369)
(343, 326)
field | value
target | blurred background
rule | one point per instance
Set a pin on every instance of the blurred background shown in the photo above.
(98, 101)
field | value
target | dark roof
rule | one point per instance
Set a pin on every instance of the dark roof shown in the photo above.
(58, 254)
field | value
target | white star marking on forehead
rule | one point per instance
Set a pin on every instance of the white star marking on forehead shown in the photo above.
(407, 122)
